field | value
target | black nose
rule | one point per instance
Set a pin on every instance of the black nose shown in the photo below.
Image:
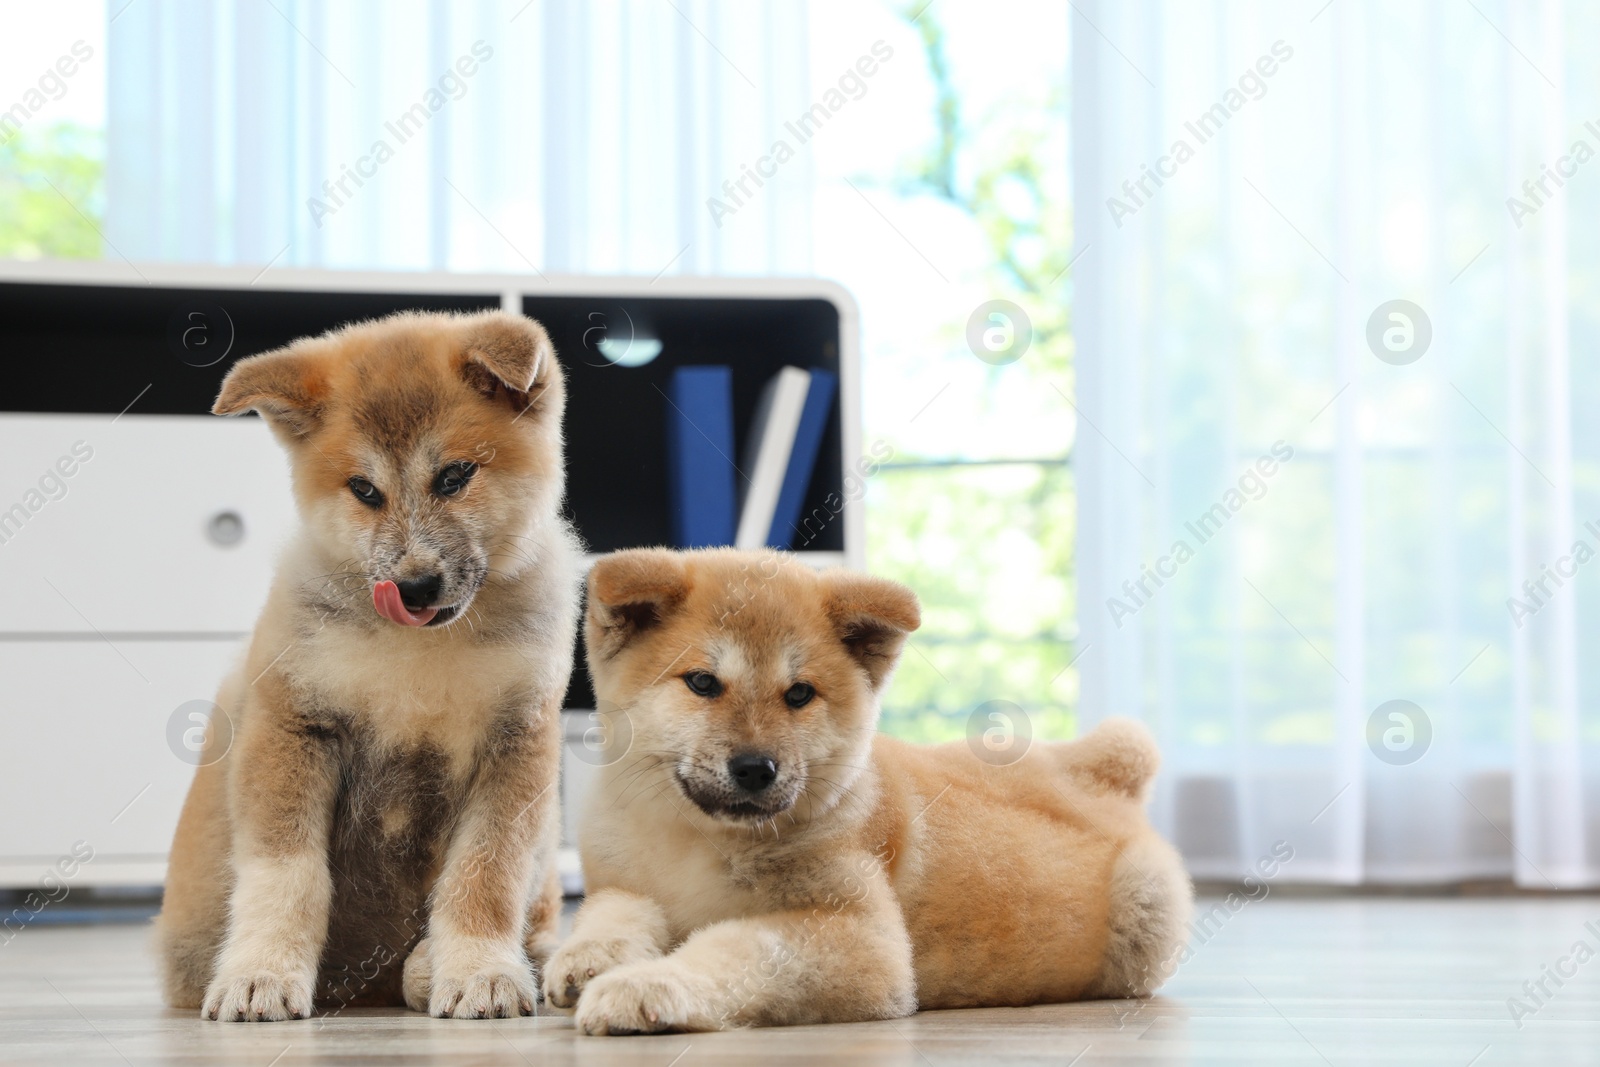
(420, 592)
(752, 773)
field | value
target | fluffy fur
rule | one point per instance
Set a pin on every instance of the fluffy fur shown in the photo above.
(382, 829)
(871, 877)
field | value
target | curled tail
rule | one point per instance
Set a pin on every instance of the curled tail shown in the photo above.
(1150, 897)
(1118, 756)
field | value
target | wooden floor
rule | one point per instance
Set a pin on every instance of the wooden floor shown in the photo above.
(1282, 981)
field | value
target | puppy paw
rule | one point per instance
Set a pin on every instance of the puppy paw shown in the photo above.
(574, 964)
(468, 985)
(416, 981)
(486, 995)
(257, 998)
(645, 998)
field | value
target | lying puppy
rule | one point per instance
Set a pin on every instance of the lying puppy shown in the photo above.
(756, 856)
(384, 823)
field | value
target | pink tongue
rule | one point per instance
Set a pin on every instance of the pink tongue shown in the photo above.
(386, 600)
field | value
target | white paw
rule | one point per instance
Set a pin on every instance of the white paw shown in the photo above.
(640, 998)
(572, 965)
(496, 983)
(257, 998)
(486, 995)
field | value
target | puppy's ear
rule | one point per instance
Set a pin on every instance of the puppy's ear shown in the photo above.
(508, 355)
(872, 616)
(631, 593)
(286, 386)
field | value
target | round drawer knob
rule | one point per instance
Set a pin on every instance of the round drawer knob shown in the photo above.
(226, 528)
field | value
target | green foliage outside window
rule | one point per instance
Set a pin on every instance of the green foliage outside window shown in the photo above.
(52, 193)
(986, 544)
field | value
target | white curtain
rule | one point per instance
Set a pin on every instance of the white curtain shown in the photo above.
(1255, 183)
(552, 135)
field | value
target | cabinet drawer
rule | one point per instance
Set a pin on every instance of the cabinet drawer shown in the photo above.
(89, 734)
(145, 524)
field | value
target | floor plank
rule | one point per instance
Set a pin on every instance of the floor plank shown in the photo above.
(1282, 981)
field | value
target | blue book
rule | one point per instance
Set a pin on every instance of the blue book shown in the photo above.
(803, 458)
(700, 471)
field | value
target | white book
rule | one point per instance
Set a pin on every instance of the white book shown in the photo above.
(766, 453)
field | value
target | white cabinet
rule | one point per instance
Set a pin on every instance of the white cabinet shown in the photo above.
(137, 552)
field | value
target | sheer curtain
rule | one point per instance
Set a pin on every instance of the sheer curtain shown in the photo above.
(551, 135)
(1349, 238)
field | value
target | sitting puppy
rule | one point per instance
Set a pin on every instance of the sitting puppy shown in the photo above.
(380, 826)
(755, 856)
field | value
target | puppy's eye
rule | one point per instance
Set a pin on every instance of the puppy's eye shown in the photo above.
(703, 684)
(454, 478)
(366, 492)
(799, 695)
